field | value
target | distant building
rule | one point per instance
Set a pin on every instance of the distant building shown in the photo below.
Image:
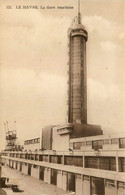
(32, 144)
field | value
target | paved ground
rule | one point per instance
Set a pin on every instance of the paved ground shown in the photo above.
(30, 185)
(2, 192)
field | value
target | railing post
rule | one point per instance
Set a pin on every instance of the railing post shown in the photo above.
(63, 159)
(83, 160)
(117, 164)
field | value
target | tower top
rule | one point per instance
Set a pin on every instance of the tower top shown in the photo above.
(76, 24)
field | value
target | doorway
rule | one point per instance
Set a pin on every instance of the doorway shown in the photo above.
(41, 173)
(54, 177)
(20, 166)
(29, 169)
(97, 186)
(71, 182)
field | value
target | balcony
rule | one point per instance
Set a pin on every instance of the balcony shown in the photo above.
(65, 129)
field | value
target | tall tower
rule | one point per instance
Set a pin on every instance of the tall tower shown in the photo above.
(77, 94)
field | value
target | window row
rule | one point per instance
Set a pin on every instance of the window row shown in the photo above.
(98, 144)
(32, 141)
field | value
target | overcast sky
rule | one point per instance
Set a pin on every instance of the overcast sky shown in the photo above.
(33, 64)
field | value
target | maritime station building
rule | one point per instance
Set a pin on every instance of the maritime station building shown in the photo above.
(76, 156)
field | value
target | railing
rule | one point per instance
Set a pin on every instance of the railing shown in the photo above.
(105, 160)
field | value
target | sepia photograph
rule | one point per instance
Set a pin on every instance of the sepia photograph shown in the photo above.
(62, 97)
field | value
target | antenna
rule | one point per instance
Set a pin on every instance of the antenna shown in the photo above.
(78, 6)
(79, 15)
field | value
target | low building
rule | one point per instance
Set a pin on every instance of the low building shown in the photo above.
(86, 163)
(32, 144)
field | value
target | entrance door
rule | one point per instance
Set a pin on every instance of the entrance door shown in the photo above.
(97, 186)
(41, 173)
(20, 166)
(16, 165)
(71, 182)
(54, 177)
(29, 169)
(12, 164)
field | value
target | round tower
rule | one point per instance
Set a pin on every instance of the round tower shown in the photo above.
(77, 94)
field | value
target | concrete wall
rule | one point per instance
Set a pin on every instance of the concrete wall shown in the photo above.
(78, 184)
(35, 172)
(86, 187)
(14, 164)
(25, 169)
(64, 180)
(6, 162)
(110, 190)
(106, 146)
(121, 191)
(59, 179)
(18, 166)
(60, 142)
(47, 175)
(10, 164)
(114, 146)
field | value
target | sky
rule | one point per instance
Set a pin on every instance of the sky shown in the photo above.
(33, 64)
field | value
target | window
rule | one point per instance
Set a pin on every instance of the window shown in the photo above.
(122, 164)
(91, 162)
(112, 164)
(122, 143)
(74, 161)
(77, 145)
(97, 144)
(45, 158)
(105, 163)
(56, 159)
